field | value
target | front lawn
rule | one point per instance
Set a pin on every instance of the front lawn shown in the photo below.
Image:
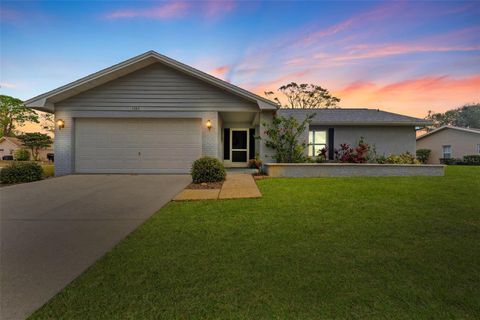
(318, 248)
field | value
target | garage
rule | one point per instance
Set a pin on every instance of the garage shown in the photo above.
(119, 145)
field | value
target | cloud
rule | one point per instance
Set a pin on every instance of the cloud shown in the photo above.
(7, 85)
(174, 9)
(413, 96)
(164, 11)
(220, 72)
(216, 8)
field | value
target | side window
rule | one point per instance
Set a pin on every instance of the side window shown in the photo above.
(447, 152)
(317, 140)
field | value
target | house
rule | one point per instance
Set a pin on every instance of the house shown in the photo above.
(389, 133)
(152, 114)
(450, 142)
(8, 145)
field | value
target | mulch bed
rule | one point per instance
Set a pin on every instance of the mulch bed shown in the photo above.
(205, 185)
(260, 176)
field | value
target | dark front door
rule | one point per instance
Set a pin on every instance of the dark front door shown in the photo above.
(239, 146)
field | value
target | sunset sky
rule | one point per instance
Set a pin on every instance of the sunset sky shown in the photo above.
(405, 57)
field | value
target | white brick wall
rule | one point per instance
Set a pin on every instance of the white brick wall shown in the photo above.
(210, 137)
(64, 145)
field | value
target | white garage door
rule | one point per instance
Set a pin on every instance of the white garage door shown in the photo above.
(136, 145)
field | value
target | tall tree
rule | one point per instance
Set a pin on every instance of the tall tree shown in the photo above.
(13, 113)
(304, 96)
(47, 122)
(35, 141)
(467, 116)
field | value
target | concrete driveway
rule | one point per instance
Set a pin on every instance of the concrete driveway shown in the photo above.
(52, 230)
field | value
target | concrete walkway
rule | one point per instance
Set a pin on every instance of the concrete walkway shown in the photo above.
(236, 185)
(52, 230)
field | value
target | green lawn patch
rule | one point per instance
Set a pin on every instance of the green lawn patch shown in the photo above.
(315, 248)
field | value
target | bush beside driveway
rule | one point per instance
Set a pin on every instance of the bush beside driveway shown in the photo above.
(310, 248)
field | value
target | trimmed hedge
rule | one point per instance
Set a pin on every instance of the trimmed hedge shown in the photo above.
(23, 171)
(207, 169)
(469, 160)
(423, 154)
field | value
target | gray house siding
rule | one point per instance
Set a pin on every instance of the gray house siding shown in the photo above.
(386, 139)
(157, 87)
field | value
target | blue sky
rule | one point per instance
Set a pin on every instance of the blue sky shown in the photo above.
(406, 57)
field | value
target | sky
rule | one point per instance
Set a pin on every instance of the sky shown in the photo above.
(400, 56)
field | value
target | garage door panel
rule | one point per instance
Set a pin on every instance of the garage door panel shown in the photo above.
(136, 145)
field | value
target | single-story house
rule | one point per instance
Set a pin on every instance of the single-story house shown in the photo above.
(8, 146)
(152, 114)
(450, 142)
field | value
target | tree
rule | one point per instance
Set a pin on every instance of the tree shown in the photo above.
(304, 96)
(14, 113)
(35, 141)
(283, 136)
(467, 116)
(48, 123)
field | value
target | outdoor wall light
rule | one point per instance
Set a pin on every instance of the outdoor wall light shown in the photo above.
(60, 124)
(209, 124)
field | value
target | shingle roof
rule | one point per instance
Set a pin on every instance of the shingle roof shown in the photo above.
(13, 140)
(354, 117)
(471, 130)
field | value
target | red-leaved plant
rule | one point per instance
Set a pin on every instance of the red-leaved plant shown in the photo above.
(359, 154)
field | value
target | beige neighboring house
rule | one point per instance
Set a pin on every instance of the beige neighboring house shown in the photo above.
(450, 142)
(8, 145)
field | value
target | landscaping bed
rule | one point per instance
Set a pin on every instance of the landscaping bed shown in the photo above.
(205, 185)
(351, 170)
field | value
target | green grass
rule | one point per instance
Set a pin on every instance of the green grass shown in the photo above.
(343, 248)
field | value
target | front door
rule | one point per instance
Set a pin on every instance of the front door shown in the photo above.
(239, 147)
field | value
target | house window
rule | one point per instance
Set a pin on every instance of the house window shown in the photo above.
(317, 140)
(1, 150)
(478, 148)
(447, 152)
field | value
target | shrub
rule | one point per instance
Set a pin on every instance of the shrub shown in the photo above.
(473, 159)
(255, 163)
(283, 135)
(404, 158)
(423, 154)
(21, 172)
(450, 161)
(22, 154)
(360, 154)
(207, 169)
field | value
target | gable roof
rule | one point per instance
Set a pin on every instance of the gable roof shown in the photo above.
(353, 116)
(13, 140)
(46, 101)
(470, 130)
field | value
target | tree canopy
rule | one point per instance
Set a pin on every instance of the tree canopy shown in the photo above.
(467, 116)
(304, 96)
(13, 113)
(35, 141)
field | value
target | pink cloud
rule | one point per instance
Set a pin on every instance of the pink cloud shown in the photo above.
(220, 72)
(215, 8)
(164, 11)
(412, 96)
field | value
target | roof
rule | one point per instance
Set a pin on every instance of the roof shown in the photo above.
(12, 140)
(354, 116)
(470, 130)
(46, 101)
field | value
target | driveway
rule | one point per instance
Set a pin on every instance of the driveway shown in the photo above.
(52, 230)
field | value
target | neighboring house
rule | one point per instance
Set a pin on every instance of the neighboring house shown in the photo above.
(152, 114)
(8, 145)
(450, 142)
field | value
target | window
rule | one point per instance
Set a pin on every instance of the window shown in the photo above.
(478, 148)
(317, 140)
(1, 150)
(447, 152)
